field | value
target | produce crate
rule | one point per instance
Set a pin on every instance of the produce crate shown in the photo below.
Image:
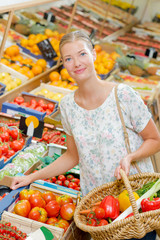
(27, 224)
(2, 88)
(12, 72)
(15, 109)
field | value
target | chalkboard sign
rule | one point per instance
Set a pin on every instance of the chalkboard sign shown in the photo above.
(46, 49)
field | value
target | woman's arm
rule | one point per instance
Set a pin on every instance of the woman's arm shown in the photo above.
(67, 161)
(150, 146)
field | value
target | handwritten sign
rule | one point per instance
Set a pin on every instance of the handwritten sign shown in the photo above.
(46, 49)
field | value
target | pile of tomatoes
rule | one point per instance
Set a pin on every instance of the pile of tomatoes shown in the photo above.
(7, 231)
(46, 207)
(67, 181)
(39, 105)
(11, 141)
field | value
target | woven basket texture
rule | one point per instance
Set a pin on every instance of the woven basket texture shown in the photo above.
(133, 227)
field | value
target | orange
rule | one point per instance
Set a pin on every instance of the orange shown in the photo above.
(35, 49)
(29, 74)
(5, 61)
(42, 63)
(15, 66)
(18, 58)
(24, 42)
(12, 50)
(37, 69)
(64, 74)
(98, 48)
(54, 76)
(114, 55)
(48, 32)
(109, 64)
(32, 36)
(31, 42)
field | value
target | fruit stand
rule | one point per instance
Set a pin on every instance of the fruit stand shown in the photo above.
(32, 85)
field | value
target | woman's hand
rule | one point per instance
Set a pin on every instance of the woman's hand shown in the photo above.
(18, 182)
(125, 165)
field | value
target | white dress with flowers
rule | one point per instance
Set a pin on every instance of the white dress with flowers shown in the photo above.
(99, 137)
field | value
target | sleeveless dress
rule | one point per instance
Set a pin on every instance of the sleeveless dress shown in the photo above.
(99, 137)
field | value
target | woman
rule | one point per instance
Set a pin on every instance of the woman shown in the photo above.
(94, 131)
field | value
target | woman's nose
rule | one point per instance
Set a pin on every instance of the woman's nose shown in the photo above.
(76, 62)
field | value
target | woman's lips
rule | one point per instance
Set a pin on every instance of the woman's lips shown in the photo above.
(79, 71)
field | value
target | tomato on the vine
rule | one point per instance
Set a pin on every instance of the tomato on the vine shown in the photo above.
(100, 213)
(5, 136)
(15, 134)
(102, 222)
(16, 145)
(92, 222)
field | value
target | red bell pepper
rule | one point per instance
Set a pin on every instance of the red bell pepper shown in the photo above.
(111, 207)
(149, 204)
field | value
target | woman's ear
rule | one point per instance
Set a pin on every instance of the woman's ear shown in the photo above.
(94, 54)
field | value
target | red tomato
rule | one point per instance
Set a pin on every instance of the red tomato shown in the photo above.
(22, 208)
(63, 199)
(25, 194)
(63, 224)
(25, 104)
(100, 213)
(59, 182)
(48, 180)
(10, 153)
(54, 179)
(103, 222)
(22, 141)
(91, 215)
(48, 196)
(61, 177)
(66, 183)
(76, 180)
(52, 208)
(52, 221)
(33, 102)
(48, 112)
(72, 185)
(37, 201)
(69, 177)
(67, 211)
(50, 106)
(14, 133)
(38, 214)
(92, 222)
(19, 100)
(5, 136)
(39, 108)
(0, 151)
(4, 149)
(78, 188)
(16, 145)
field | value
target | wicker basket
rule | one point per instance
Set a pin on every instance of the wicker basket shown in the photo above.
(134, 227)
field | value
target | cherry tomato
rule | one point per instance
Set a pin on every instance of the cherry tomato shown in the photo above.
(100, 213)
(69, 177)
(61, 177)
(91, 215)
(103, 222)
(78, 188)
(66, 183)
(59, 182)
(92, 222)
(54, 179)
(19, 100)
(72, 185)
(76, 180)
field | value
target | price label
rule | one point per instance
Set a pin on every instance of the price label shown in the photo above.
(47, 50)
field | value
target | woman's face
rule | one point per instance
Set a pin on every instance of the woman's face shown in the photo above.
(78, 59)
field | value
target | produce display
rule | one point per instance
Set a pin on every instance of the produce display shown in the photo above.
(123, 5)
(46, 207)
(83, 19)
(11, 141)
(24, 159)
(111, 208)
(8, 231)
(10, 82)
(22, 63)
(38, 105)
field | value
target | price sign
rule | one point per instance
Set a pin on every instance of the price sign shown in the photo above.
(47, 50)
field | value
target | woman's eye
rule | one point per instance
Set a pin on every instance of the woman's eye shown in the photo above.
(83, 53)
(67, 59)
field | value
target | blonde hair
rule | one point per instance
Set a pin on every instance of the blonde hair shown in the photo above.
(73, 36)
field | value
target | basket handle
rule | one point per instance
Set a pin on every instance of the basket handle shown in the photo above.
(130, 193)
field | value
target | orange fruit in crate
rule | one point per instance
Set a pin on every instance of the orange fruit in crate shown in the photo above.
(24, 42)
(64, 74)
(29, 74)
(35, 49)
(32, 36)
(18, 58)
(15, 66)
(12, 50)
(42, 62)
(5, 61)
(37, 69)
(31, 42)
(98, 48)
(109, 64)
(54, 76)
(114, 55)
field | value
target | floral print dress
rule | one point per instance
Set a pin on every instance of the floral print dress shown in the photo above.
(99, 136)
